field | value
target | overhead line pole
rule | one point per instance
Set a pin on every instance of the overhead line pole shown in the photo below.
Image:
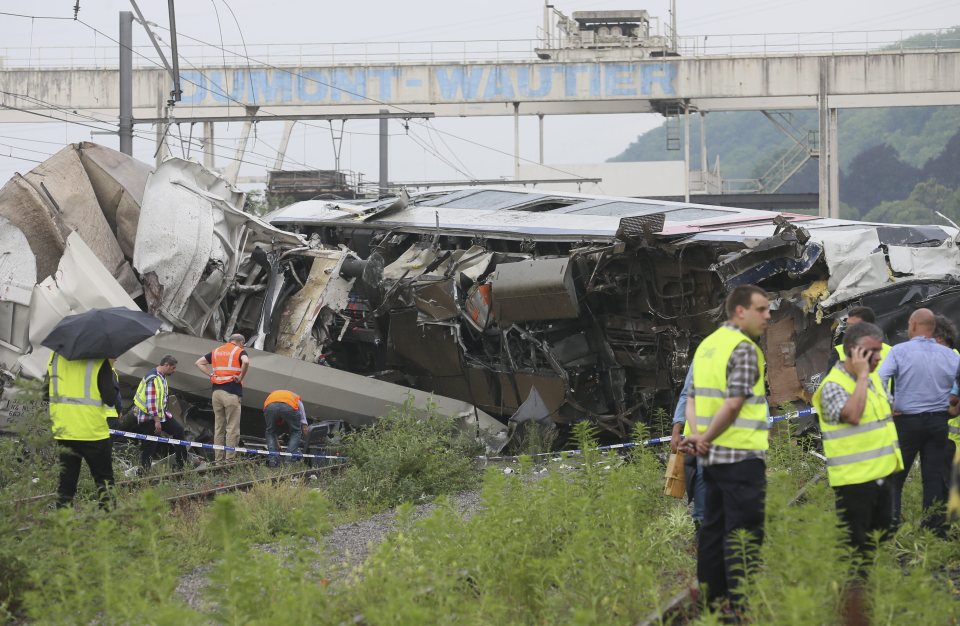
(126, 83)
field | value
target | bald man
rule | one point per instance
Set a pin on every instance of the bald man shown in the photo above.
(923, 373)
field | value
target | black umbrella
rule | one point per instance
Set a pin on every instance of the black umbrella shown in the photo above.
(100, 333)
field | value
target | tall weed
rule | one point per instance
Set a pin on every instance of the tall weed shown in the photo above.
(406, 456)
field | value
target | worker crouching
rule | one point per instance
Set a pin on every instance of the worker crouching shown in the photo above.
(280, 407)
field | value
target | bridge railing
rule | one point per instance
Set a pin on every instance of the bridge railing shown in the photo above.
(481, 50)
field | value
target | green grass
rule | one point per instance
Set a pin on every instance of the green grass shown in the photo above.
(591, 541)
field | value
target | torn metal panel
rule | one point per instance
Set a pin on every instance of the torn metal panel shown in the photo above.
(118, 182)
(23, 207)
(412, 263)
(923, 261)
(473, 263)
(312, 308)
(191, 238)
(868, 274)
(845, 250)
(789, 251)
(63, 182)
(81, 283)
(18, 275)
(423, 348)
(437, 300)
(540, 289)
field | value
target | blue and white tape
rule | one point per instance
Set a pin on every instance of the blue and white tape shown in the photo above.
(616, 446)
(649, 442)
(211, 446)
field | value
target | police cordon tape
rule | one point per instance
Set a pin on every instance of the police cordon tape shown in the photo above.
(211, 446)
(649, 442)
(616, 446)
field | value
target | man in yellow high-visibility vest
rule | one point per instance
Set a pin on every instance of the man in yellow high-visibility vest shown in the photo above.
(854, 316)
(81, 392)
(859, 437)
(728, 422)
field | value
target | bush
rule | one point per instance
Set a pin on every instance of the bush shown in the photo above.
(406, 456)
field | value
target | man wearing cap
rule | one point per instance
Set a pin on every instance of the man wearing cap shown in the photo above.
(227, 367)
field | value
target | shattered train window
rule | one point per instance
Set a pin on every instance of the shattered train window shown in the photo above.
(621, 209)
(629, 209)
(491, 200)
(693, 215)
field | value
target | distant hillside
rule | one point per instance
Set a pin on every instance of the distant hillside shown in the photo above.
(747, 143)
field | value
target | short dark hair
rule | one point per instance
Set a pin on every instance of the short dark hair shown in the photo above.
(945, 330)
(168, 359)
(865, 313)
(742, 296)
(855, 333)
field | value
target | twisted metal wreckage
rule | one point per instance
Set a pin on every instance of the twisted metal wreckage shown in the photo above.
(585, 307)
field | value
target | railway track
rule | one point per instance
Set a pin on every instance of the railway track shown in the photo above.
(150, 480)
(209, 493)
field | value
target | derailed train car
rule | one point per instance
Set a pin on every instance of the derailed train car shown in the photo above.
(588, 307)
(598, 303)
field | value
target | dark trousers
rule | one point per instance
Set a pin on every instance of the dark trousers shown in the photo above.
(99, 458)
(734, 499)
(865, 508)
(948, 460)
(171, 428)
(925, 435)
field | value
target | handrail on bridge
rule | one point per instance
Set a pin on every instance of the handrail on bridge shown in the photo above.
(478, 50)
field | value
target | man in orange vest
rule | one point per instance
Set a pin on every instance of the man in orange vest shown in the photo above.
(284, 406)
(226, 366)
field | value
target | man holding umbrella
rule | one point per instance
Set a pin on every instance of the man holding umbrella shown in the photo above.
(78, 411)
(83, 387)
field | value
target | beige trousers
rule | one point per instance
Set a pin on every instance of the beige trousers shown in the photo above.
(226, 423)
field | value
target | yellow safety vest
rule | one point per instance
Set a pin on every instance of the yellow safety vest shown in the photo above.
(867, 451)
(76, 409)
(160, 389)
(884, 351)
(749, 430)
(111, 411)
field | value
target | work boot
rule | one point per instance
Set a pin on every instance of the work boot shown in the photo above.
(853, 605)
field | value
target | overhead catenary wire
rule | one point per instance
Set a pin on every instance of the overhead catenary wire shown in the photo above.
(312, 79)
(250, 59)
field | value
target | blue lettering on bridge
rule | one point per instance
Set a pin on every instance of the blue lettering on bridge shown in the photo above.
(506, 82)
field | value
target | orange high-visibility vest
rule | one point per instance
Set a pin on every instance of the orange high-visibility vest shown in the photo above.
(226, 363)
(282, 395)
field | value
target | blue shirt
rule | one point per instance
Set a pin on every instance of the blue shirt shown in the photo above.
(923, 372)
(680, 413)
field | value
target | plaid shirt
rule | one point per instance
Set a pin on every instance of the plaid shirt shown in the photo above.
(151, 399)
(743, 370)
(834, 397)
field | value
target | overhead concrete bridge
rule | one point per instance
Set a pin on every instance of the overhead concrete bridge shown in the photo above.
(668, 85)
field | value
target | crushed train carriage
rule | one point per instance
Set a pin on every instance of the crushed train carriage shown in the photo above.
(476, 296)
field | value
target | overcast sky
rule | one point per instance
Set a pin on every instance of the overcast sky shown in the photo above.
(568, 139)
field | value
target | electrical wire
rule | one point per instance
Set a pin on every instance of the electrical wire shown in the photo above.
(300, 76)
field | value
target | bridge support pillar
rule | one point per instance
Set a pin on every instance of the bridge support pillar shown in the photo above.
(834, 166)
(126, 83)
(686, 152)
(829, 148)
